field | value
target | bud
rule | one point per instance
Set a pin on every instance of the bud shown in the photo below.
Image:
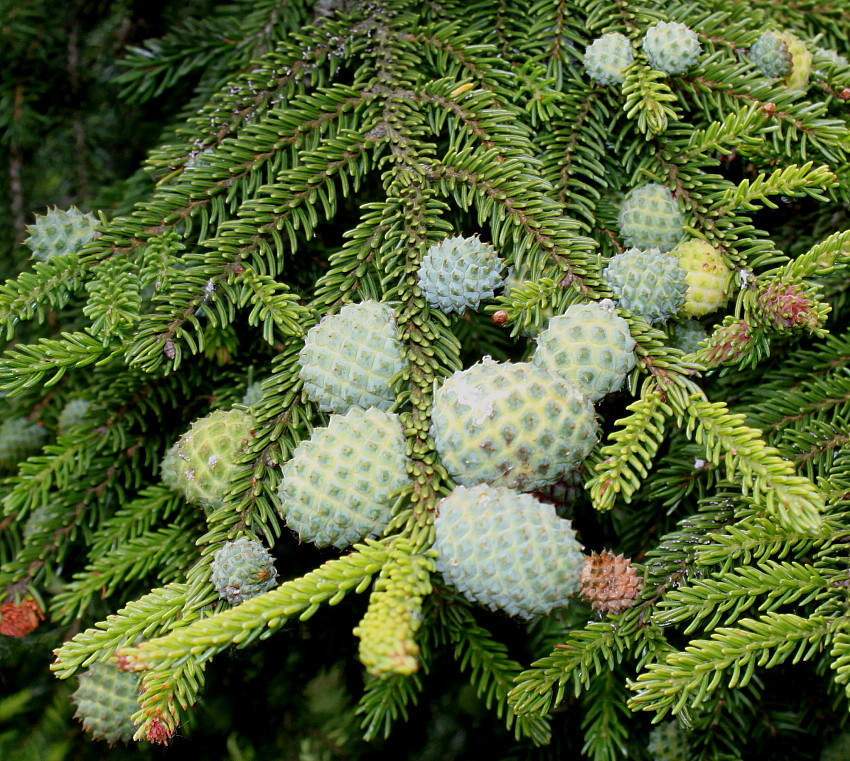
(500, 317)
(728, 344)
(19, 619)
(609, 582)
(788, 306)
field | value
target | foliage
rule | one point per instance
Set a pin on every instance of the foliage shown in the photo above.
(303, 155)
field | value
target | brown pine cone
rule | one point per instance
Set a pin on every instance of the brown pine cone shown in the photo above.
(609, 582)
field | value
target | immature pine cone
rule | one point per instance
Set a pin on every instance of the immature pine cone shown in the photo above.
(609, 582)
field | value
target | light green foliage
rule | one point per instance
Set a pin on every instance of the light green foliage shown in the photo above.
(507, 550)
(511, 424)
(671, 47)
(647, 283)
(302, 160)
(459, 273)
(242, 569)
(650, 218)
(106, 700)
(337, 488)
(387, 632)
(351, 358)
(607, 57)
(590, 347)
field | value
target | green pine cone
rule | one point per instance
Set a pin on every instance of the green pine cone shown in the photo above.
(459, 273)
(671, 47)
(783, 55)
(243, 569)
(74, 413)
(511, 424)
(650, 218)
(170, 467)
(589, 346)
(60, 232)
(252, 394)
(507, 550)
(607, 57)
(647, 283)
(667, 742)
(708, 276)
(350, 358)
(206, 456)
(686, 335)
(18, 440)
(770, 53)
(106, 701)
(336, 488)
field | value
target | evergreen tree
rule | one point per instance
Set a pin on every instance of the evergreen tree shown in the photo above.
(413, 298)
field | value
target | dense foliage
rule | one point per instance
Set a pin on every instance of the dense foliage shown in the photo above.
(302, 156)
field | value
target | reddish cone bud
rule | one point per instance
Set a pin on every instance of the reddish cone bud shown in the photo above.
(729, 343)
(18, 620)
(609, 582)
(788, 306)
(500, 317)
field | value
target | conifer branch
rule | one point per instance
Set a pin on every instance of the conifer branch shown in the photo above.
(586, 654)
(32, 294)
(27, 364)
(604, 720)
(688, 678)
(262, 615)
(625, 462)
(385, 701)
(647, 99)
(725, 596)
(145, 617)
(161, 554)
(770, 480)
(491, 671)
(791, 180)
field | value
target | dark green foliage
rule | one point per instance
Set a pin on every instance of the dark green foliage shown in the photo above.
(305, 155)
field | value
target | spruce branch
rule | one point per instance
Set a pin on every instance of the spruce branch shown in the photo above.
(755, 537)
(491, 671)
(386, 700)
(687, 679)
(792, 180)
(262, 615)
(723, 597)
(647, 99)
(605, 716)
(387, 631)
(31, 295)
(771, 481)
(625, 462)
(586, 653)
(27, 364)
(161, 554)
(145, 617)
